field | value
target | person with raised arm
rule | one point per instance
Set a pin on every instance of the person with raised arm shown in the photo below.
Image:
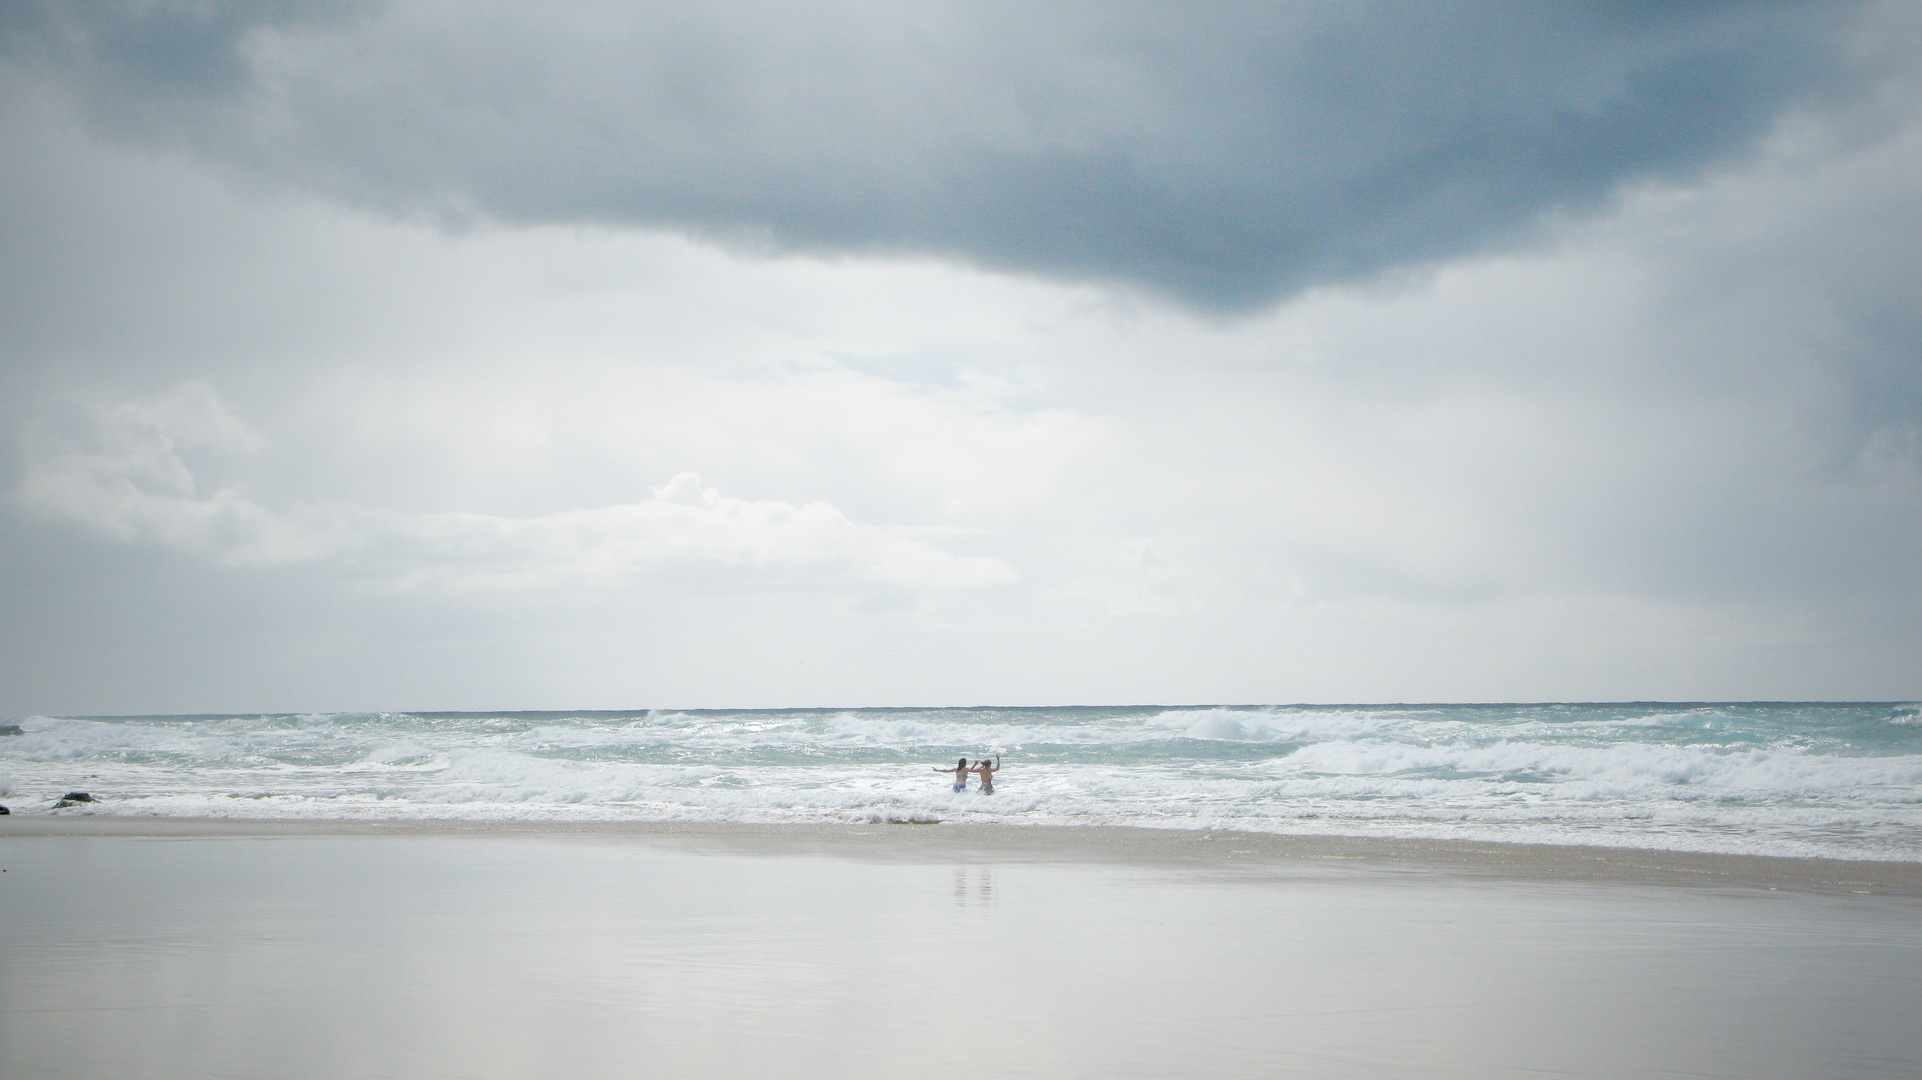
(960, 772)
(986, 772)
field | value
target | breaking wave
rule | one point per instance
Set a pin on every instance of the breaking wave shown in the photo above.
(1831, 780)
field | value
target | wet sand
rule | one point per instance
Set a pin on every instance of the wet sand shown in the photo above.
(150, 947)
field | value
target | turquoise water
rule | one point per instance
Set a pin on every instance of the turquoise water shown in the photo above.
(1807, 779)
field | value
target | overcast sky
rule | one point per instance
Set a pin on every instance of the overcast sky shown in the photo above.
(596, 355)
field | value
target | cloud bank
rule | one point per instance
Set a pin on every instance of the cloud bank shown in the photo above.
(122, 475)
(1225, 155)
(439, 356)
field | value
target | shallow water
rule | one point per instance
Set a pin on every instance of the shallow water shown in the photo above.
(1818, 780)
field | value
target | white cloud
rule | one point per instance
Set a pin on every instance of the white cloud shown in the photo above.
(686, 526)
(1150, 575)
(1667, 451)
(123, 475)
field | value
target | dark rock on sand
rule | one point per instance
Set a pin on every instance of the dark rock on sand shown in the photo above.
(4, 810)
(76, 796)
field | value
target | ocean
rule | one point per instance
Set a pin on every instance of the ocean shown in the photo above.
(1824, 780)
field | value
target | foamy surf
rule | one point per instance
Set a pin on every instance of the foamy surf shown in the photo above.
(1821, 780)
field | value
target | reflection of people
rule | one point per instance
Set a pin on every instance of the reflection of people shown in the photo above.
(987, 772)
(960, 772)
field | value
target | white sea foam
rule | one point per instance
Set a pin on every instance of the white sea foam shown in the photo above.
(1272, 725)
(1842, 781)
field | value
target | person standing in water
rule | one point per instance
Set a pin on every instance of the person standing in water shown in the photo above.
(960, 772)
(987, 772)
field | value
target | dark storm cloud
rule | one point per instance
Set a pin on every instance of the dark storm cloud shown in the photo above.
(151, 51)
(1226, 154)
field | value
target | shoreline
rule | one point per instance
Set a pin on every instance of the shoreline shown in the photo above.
(176, 947)
(1240, 853)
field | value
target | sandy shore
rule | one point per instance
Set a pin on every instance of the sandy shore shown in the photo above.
(977, 843)
(162, 948)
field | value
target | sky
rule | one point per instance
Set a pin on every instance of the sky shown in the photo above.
(432, 355)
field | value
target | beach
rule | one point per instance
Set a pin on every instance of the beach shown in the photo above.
(169, 947)
(594, 541)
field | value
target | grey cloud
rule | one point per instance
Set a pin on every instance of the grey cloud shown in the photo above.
(1224, 155)
(150, 52)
